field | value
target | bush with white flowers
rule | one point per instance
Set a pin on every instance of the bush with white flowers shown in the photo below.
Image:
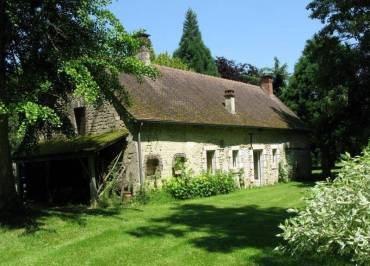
(336, 219)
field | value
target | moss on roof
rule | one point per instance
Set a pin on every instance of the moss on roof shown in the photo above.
(186, 97)
(80, 144)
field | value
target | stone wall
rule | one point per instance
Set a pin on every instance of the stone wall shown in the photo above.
(165, 141)
(99, 119)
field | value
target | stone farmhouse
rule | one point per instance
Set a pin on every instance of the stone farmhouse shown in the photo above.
(213, 123)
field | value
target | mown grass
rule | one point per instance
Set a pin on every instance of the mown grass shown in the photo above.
(234, 229)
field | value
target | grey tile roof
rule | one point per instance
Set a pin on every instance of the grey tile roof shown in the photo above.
(187, 97)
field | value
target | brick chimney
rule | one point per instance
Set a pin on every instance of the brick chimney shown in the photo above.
(266, 85)
(230, 101)
(144, 52)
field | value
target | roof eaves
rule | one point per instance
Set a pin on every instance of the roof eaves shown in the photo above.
(173, 122)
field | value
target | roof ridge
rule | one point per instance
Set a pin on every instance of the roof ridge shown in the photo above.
(208, 76)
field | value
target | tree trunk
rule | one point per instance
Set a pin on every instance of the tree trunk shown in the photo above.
(7, 183)
(325, 162)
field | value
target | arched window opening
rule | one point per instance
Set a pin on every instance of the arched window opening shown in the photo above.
(152, 168)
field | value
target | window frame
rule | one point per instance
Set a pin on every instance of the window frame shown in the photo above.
(212, 169)
(235, 160)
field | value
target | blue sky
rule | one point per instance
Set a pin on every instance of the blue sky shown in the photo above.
(248, 31)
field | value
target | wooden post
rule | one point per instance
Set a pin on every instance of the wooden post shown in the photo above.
(47, 181)
(92, 173)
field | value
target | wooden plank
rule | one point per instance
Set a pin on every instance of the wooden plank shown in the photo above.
(92, 183)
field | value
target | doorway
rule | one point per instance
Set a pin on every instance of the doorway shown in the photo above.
(257, 160)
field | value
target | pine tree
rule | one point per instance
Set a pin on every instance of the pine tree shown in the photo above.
(192, 51)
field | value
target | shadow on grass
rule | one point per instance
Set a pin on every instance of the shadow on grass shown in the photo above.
(33, 218)
(224, 229)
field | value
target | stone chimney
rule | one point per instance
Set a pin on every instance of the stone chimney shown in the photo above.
(230, 101)
(266, 85)
(144, 52)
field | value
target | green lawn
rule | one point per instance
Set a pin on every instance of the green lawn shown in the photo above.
(234, 229)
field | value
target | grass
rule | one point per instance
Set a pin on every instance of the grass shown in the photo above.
(234, 229)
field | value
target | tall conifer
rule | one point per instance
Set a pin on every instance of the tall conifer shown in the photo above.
(192, 51)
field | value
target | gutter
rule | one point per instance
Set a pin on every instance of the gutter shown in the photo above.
(140, 154)
(174, 122)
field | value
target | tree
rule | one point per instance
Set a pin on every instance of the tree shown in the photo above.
(165, 59)
(246, 73)
(280, 76)
(319, 93)
(349, 21)
(53, 48)
(192, 51)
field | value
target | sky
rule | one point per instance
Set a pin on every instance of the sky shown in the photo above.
(247, 31)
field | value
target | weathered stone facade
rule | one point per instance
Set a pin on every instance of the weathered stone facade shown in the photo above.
(98, 119)
(166, 141)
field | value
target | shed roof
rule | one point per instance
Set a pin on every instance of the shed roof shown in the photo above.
(80, 146)
(180, 96)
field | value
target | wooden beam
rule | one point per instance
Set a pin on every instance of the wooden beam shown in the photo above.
(92, 173)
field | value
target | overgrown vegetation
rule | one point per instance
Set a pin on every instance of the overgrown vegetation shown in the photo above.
(285, 172)
(204, 185)
(336, 219)
(165, 59)
(109, 190)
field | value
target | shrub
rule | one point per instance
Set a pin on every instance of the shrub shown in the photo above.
(336, 219)
(285, 172)
(204, 185)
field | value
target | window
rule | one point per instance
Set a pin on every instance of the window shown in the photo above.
(235, 159)
(274, 158)
(211, 161)
(178, 165)
(152, 168)
(80, 117)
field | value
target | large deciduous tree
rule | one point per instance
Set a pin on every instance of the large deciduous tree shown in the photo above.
(330, 85)
(246, 73)
(53, 48)
(192, 51)
(319, 93)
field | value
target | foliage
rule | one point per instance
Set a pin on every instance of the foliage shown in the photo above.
(329, 87)
(229, 69)
(285, 172)
(52, 49)
(192, 51)
(109, 190)
(279, 74)
(154, 196)
(166, 59)
(325, 92)
(348, 19)
(57, 48)
(336, 219)
(204, 185)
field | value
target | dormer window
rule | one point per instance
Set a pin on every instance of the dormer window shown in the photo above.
(80, 117)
